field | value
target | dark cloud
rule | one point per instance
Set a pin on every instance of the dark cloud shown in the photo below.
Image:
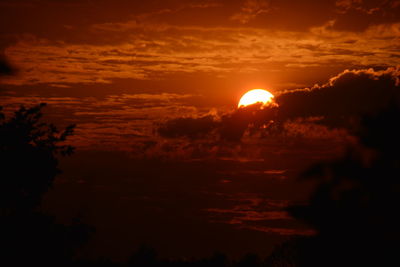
(5, 68)
(338, 103)
(345, 96)
(228, 127)
(369, 7)
(157, 200)
(188, 127)
(251, 118)
(251, 9)
(357, 15)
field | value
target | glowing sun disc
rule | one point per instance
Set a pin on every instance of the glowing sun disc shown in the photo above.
(255, 96)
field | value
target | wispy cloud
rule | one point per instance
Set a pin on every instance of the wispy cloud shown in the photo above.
(251, 9)
(259, 214)
(367, 7)
(161, 50)
(113, 122)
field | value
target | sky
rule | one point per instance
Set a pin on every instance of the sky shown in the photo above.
(164, 156)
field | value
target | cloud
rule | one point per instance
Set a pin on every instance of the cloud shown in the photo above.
(366, 7)
(112, 122)
(358, 15)
(284, 231)
(228, 127)
(345, 6)
(188, 127)
(142, 51)
(251, 9)
(336, 104)
(349, 94)
(259, 214)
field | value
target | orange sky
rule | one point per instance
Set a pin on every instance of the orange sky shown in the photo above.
(101, 59)
(277, 44)
(120, 69)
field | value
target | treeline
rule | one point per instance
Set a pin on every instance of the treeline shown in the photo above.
(146, 256)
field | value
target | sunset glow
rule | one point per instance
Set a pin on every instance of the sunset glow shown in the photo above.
(256, 96)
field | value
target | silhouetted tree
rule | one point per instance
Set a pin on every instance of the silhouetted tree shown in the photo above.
(218, 259)
(355, 207)
(28, 156)
(145, 256)
(287, 254)
(249, 260)
(96, 263)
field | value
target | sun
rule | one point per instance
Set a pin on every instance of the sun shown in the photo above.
(256, 96)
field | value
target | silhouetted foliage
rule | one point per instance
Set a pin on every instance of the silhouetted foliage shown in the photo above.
(28, 150)
(218, 259)
(355, 206)
(145, 256)
(249, 260)
(288, 253)
(28, 154)
(96, 263)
